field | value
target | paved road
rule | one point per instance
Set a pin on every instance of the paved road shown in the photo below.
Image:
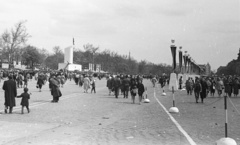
(85, 118)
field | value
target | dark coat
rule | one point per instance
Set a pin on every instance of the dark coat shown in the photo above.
(204, 85)
(40, 81)
(55, 91)
(126, 83)
(10, 89)
(116, 83)
(25, 97)
(132, 88)
(140, 89)
(236, 87)
(197, 87)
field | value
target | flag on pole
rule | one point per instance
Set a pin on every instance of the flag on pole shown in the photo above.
(180, 61)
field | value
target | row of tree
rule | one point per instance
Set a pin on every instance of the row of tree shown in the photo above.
(14, 48)
(232, 68)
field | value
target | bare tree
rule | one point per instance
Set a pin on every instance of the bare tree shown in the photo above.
(90, 48)
(57, 50)
(13, 40)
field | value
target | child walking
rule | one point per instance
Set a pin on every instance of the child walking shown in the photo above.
(25, 97)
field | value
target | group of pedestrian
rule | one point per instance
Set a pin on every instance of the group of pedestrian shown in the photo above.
(125, 84)
(85, 80)
(208, 86)
(10, 92)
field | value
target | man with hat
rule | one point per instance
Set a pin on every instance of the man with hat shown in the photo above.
(10, 89)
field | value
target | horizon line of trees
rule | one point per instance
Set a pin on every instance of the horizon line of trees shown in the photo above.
(14, 47)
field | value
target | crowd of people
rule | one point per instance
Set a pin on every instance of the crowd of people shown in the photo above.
(20, 79)
(207, 86)
(125, 85)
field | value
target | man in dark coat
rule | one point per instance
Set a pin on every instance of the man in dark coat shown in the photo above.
(116, 85)
(40, 82)
(10, 88)
(203, 93)
(126, 85)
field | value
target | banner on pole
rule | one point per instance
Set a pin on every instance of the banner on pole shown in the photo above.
(173, 50)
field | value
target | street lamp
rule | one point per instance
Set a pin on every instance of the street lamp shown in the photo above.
(173, 78)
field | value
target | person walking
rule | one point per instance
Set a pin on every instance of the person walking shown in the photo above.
(180, 83)
(110, 85)
(86, 84)
(219, 86)
(133, 90)
(197, 89)
(116, 86)
(55, 90)
(40, 82)
(203, 93)
(62, 80)
(154, 80)
(188, 86)
(93, 85)
(25, 80)
(236, 87)
(125, 84)
(10, 88)
(141, 90)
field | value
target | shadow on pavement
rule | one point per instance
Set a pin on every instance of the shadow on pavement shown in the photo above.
(42, 101)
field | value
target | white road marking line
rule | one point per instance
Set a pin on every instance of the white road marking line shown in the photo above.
(190, 140)
(39, 103)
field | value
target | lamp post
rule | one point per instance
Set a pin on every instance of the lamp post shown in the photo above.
(173, 83)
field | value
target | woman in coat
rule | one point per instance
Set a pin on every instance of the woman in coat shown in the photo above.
(55, 91)
(204, 85)
(40, 82)
(197, 89)
(133, 89)
(86, 84)
(219, 86)
(141, 90)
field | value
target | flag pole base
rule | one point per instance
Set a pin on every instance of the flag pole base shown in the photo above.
(226, 141)
(173, 110)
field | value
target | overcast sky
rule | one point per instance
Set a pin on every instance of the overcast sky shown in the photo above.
(208, 29)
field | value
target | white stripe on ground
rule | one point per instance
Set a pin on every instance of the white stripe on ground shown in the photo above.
(39, 103)
(190, 140)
